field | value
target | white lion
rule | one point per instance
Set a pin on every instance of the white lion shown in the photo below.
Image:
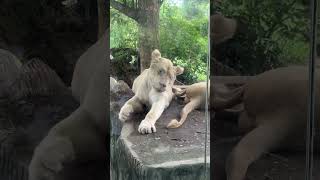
(153, 87)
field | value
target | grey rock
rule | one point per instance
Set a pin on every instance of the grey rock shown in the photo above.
(35, 78)
(120, 92)
(9, 70)
(167, 154)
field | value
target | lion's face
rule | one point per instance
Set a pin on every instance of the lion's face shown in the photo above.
(163, 72)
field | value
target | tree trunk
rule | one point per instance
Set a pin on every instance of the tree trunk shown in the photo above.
(146, 14)
(102, 17)
(148, 30)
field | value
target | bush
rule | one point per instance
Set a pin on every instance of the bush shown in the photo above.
(276, 34)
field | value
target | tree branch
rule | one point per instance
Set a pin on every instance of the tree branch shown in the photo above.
(130, 12)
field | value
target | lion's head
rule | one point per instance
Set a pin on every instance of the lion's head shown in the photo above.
(163, 72)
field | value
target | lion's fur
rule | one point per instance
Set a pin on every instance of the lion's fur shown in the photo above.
(195, 98)
(68, 140)
(153, 88)
(274, 117)
(142, 88)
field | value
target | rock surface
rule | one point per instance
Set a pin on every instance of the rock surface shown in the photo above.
(26, 119)
(31, 118)
(9, 70)
(28, 111)
(166, 154)
(35, 78)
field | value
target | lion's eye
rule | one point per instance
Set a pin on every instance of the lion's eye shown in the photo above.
(161, 71)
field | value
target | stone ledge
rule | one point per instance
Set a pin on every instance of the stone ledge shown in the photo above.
(136, 144)
(167, 154)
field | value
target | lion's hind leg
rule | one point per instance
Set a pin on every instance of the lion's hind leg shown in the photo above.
(192, 105)
(262, 139)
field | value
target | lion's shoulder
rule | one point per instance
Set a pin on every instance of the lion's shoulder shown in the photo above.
(140, 83)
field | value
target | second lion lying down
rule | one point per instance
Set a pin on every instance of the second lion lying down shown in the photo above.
(195, 98)
(153, 88)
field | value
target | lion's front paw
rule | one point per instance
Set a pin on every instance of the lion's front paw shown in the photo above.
(38, 169)
(125, 112)
(146, 127)
(49, 158)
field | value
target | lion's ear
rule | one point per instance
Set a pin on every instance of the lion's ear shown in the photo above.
(156, 55)
(179, 70)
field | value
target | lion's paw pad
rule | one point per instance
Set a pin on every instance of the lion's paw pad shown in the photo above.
(173, 124)
(146, 127)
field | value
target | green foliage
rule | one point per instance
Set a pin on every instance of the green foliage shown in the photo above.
(294, 52)
(269, 17)
(276, 34)
(183, 36)
(124, 31)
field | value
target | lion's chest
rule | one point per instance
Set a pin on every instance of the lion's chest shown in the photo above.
(155, 96)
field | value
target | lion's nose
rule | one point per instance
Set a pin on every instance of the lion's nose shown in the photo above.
(163, 85)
